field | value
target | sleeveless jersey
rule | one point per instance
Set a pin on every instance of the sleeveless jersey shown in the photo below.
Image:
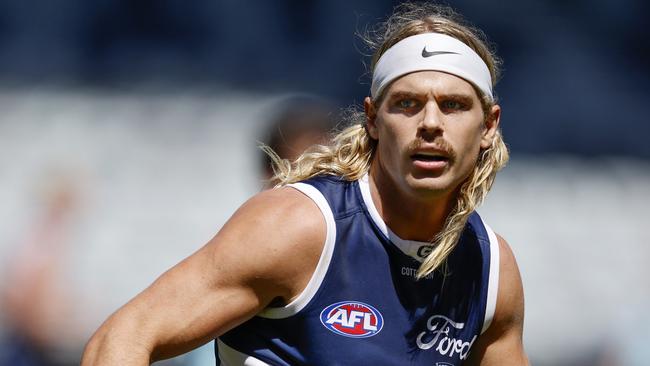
(363, 305)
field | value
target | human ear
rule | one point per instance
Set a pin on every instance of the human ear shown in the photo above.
(491, 126)
(371, 117)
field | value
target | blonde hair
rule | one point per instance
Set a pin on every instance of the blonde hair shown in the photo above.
(351, 151)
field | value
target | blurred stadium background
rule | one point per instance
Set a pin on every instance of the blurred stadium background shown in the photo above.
(128, 136)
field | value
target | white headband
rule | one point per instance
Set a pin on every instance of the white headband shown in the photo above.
(430, 51)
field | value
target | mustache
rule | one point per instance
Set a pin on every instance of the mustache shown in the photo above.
(438, 144)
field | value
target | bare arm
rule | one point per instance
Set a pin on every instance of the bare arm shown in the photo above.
(502, 342)
(267, 251)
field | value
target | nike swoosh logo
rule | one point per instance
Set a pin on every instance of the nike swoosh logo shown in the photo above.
(426, 53)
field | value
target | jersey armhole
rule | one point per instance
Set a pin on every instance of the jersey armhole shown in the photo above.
(318, 276)
(493, 278)
(229, 356)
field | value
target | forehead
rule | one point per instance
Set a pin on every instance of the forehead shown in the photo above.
(436, 82)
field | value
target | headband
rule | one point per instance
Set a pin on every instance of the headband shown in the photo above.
(430, 51)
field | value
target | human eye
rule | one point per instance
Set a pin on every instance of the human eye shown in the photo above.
(406, 103)
(452, 105)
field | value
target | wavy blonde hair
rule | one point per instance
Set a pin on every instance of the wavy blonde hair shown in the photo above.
(350, 153)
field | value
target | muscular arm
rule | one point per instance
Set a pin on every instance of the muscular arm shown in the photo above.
(267, 251)
(502, 342)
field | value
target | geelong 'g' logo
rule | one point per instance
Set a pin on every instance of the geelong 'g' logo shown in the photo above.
(352, 319)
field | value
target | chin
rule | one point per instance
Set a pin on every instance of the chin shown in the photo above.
(430, 186)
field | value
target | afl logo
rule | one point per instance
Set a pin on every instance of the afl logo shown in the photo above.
(352, 319)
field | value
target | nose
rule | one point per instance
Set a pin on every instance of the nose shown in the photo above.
(431, 118)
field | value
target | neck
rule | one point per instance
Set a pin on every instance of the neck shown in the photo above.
(409, 215)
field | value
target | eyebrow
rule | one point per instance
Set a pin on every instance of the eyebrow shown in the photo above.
(402, 94)
(463, 98)
(460, 97)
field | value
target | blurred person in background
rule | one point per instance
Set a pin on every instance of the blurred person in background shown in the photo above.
(373, 236)
(41, 320)
(298, 122)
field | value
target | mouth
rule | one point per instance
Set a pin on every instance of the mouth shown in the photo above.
(429, 157)
(430, 160)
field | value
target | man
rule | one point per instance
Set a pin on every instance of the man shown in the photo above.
(298, 121)
(369, 252)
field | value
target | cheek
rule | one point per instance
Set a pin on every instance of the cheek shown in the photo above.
(466, 161)
(468, 143)
(393, 141)
(387, 131)
(389, 143)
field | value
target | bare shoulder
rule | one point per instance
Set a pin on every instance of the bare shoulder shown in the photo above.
(502, 342)
(510, 298)
(277, 220)
(275, 239)
(266, 252)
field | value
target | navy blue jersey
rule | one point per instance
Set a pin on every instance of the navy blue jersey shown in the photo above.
(363, 305)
